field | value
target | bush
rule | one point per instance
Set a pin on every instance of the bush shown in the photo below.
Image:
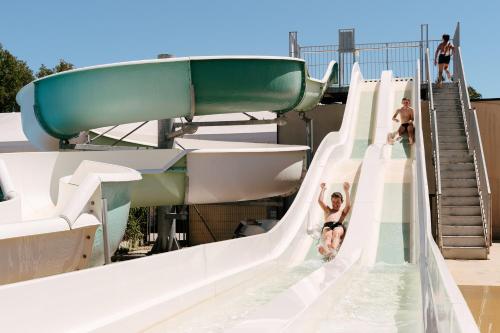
(137, 221)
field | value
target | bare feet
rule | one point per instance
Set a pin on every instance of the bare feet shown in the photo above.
(322, 250)
(390, 139)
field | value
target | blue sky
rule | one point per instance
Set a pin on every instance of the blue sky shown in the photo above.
(97, 32)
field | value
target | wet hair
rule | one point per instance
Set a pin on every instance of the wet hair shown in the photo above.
(338, 195)
(405, 99)
(446, 37)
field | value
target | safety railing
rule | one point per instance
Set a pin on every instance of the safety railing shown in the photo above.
(444, 307)
(435, 147)
(475, 146)
(373, 58)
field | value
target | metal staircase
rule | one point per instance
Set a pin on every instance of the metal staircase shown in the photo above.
(461, 231)
(463, 194)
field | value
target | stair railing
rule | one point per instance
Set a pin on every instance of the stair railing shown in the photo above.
(476, 146)
(435, 147)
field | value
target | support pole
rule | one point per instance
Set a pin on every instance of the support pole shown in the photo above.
(293, 45)
(105, 234)
(309, 136)
(165, 127)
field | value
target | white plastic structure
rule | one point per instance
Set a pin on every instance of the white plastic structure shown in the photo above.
(155, 289)
(328, 300)
(49, 217)
(12, 138)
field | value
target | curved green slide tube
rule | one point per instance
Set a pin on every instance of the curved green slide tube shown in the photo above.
(82, 99)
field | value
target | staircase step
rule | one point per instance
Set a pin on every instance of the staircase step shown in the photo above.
(448, 111)
(443, 115)
(444, 99)
(461, 220)
(448, 106)
(452, 138)
(460, 201)
(454, 153)
(446, 92)
(453, 145)
(456, 159)
(461, 210)
(453, 183)
(445, 118)
(464, 241)
(462, 230)
(458, 174)
(457, 167)
(448, 125)
(470, 253)
(451, 132)
(459, 192)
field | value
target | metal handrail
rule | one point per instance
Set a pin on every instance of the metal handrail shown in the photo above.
(435, 145)
(475, 144)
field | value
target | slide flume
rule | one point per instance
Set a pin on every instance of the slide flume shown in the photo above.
(62, 105)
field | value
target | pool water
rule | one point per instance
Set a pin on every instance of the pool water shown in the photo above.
(224, 311)
(383, 298)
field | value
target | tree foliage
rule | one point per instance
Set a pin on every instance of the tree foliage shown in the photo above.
(14, 74)
(62, 66)
(473, 93)
(137, 221)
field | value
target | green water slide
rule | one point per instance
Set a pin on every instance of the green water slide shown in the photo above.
(67, 103)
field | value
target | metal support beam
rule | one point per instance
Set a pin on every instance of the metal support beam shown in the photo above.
(105, 234)
(309, 136)
(165, 127)
(205, 223)
(280, 121)
(91, 147)
(293, 45)
(126, 135)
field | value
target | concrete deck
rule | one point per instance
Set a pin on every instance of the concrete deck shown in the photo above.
(477, 272)
(479, 282)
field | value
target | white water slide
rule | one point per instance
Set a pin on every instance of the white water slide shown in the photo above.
(388, 276)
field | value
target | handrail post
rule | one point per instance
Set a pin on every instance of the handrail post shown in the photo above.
(435, 149)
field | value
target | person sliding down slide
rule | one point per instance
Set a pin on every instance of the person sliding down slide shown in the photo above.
(406, 114)
(333, 230)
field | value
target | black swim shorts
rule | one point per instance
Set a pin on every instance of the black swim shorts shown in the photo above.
(333, 225)
(444, 59)
(405, 126)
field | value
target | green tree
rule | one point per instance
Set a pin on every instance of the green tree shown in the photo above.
(44, 71)
(62, 66)
(14, 74)
(473, 93)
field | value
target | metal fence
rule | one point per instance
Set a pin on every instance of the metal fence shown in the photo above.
(373, 58)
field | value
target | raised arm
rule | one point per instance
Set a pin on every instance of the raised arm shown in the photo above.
(320, 198)
(347, 207)
(395, 115)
